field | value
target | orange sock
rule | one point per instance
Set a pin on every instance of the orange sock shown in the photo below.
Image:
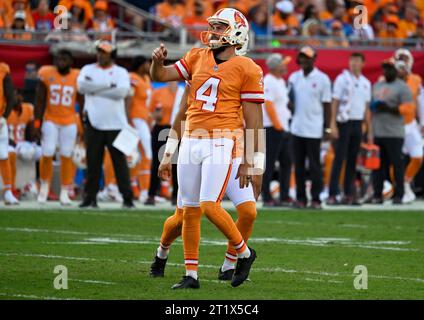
(108, 170)
(6, 174)
(191, 237)
(66, 171)
(144, 174)
(172, 229)
(12, 161)
(223, 221)
(46, 169)
(246, 217)
(412, 169)
(328, 163)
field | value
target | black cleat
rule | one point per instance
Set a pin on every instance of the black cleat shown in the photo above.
(187, 282)
(88, 203)
(157, 269)
(128, 204)
(225, 275)
(243, 268)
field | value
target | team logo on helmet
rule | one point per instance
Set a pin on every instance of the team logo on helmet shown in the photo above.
(239, 19)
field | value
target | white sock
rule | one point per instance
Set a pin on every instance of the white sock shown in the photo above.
(228, 265)
(162, 252)
(244, 254)
(191, 273)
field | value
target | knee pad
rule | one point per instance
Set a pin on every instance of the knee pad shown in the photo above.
(247, 211)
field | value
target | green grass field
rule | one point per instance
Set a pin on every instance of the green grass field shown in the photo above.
(301, 255)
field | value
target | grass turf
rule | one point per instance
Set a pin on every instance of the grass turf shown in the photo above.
(301, 255)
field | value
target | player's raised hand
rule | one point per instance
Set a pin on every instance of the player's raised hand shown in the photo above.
(159, 54)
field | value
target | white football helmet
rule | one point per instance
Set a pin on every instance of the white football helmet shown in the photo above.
(236, 34)
(26, 151)
(133, 159)
(79, 156)
(410, 59)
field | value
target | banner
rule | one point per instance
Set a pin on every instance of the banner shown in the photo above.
(330, 61)
(17, 56)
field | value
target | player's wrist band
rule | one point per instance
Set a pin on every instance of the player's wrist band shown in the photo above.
(259, 160)
(171, 146)
(37, 123)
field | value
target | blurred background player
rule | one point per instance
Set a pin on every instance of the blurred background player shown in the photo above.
(55, 121)
(141, 95)
(413, 144)
(390, 99)
(310, 95)
(7, 101)
(350, 107)
(276, 123)
(20, 130)
(161, 106)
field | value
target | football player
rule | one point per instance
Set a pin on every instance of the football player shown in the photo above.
(55, 121)
(244, 199)
(141, 90)
(19, 123)
(413, 144)
(7, 101)
(223, 81)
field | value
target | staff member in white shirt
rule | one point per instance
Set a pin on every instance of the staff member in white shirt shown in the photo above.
(350, 107)
(276, 116)
(310, 99)
(105, 86)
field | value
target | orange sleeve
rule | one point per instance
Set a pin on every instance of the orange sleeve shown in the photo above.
(4, 68)
(43, 73)
(407, 110)
(252, 89)
(272, 114)
(184, 66)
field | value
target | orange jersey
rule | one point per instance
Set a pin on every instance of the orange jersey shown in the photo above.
(17, 123)
(217, 91)
(4, 70)
(142, 96)
(163, 98)
(414, 84)
(61, 95)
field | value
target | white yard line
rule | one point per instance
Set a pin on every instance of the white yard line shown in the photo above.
(136, 239)
(92, 281)
(278, 269)
(31, 296)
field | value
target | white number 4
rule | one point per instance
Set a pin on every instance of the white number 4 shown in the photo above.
(208, 93)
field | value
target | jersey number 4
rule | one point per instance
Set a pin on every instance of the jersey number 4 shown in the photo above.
(61, 95)
(208, 93)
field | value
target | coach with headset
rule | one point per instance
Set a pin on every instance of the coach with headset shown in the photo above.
(105, 86)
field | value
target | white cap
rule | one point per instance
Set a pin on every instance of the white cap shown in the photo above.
(20, 14)
(285, 6)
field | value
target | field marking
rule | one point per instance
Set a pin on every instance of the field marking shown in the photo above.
(31, 296)
(277, 269)
(137, 239)
(93, 281)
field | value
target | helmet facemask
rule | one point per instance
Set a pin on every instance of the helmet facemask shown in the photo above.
(215, 39)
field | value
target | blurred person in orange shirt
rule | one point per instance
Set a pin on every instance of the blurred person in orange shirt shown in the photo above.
(101, 21)
(284, 21)
(417, 40)
(408, 25)
(18, 31)
(20, 5)
(391, 35)
(338, 38)
(190, 6)
(171, 11)
(141, 95)
(196, 23)
(240, 5)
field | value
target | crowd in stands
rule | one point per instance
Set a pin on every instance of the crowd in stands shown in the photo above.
(340, 21)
